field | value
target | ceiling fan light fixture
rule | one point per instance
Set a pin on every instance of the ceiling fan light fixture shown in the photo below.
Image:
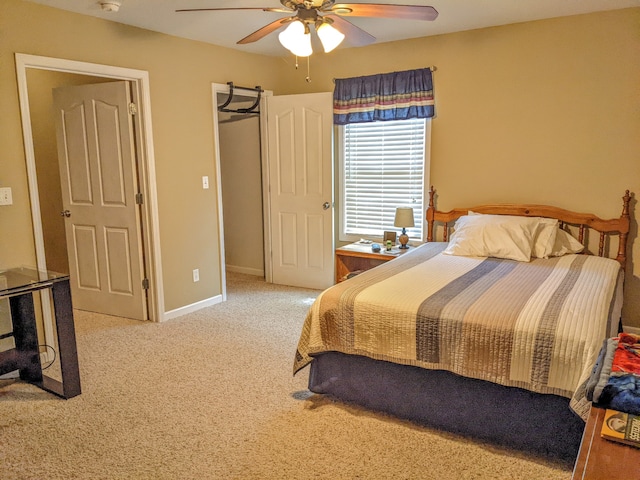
(297, 39)
(329, 36)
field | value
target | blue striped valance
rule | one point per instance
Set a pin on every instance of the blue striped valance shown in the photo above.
(387, 96)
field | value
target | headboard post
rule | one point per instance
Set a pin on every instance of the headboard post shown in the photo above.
(430, 214)
(624, 230)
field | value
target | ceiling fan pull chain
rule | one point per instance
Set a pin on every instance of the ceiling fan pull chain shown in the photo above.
(308, 79)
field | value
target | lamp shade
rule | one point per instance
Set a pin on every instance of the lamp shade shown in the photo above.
(329, 36)
(404, 217)
(297, 39)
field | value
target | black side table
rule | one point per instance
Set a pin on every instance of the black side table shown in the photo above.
(19, 285)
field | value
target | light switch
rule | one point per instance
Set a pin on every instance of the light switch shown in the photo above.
(5, 196)
(205, 182)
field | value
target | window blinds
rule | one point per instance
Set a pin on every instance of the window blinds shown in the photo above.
(383, 169)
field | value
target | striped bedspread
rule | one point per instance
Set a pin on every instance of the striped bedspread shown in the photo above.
(537, 326)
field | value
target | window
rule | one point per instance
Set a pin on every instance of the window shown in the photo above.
(382, 166)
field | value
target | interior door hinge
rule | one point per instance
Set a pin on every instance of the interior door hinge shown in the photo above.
(133, 109)
(139, 198)
(145, 283)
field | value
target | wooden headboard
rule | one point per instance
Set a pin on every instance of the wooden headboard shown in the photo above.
(583, 222)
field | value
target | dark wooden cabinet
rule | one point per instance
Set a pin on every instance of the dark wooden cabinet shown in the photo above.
(600, 459)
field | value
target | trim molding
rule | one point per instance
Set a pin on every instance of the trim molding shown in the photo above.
(634, 330)
(247, 270)
(178, 312)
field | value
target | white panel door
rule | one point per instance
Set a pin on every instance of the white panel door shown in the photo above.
(96, 156)
(301, 192)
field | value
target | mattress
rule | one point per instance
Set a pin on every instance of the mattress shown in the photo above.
(535, 325)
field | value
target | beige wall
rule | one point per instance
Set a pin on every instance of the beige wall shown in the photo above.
(181, 73)
(540, 112)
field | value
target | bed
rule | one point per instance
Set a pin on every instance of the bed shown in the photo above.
(490, 333)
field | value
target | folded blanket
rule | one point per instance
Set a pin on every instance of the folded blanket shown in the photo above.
(621, 391)
(627, 355)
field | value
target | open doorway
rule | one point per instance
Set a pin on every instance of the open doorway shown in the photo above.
(297, 186)
(242, 195)
(241, 182)
(40, 84)
(55, 72)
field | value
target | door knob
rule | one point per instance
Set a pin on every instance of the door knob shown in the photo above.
(65, 213)
(326, 206)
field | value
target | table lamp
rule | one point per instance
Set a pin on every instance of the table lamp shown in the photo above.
(404, 219)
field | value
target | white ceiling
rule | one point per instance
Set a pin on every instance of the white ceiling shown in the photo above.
(226, 28)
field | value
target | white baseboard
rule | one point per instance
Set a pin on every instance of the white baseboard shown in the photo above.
(178, 312)
(634, 330)
(247, 270)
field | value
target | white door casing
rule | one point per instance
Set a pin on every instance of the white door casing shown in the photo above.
(301, 189)
(98, 171)
(144, 129)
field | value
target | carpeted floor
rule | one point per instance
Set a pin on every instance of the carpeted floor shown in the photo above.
(210, 395)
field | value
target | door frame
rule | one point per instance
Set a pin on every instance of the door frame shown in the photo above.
(217, 88)
(147, 175)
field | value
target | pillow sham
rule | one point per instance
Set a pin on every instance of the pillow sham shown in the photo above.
(544, 237)
(501, 236)
(565, 243)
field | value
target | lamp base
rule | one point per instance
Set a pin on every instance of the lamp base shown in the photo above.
(404, 239)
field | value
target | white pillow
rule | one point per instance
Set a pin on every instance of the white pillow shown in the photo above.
(544, 237)
(501, 236)
(565, 243)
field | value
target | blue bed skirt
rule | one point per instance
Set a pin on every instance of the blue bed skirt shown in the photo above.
(506, 416)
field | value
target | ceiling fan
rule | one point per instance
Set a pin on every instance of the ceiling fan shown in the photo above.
(326, 16)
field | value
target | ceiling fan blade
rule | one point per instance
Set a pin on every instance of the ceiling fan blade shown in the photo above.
(355, 35)
(264, 9)
(408, 12)
(266, 30)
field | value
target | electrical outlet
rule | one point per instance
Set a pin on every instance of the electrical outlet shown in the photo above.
(196, 275)
(5, 196)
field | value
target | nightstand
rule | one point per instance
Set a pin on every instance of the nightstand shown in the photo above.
(601, 459)
(358, 257)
